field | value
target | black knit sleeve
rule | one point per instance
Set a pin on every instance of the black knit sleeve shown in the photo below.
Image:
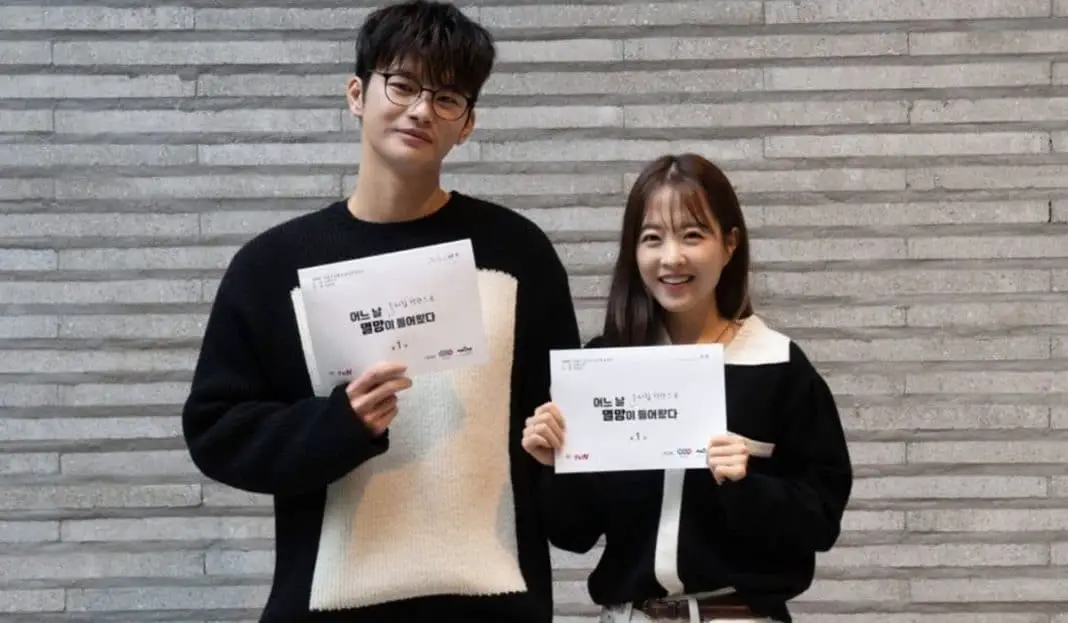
(802, 508)
(239, 430)
(573, 505)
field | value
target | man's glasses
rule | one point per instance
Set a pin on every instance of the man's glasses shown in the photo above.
(403, 90)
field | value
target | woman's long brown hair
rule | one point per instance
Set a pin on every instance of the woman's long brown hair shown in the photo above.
(634, 317)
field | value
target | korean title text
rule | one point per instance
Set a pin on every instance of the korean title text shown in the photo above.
(615, 409)
(397, 315)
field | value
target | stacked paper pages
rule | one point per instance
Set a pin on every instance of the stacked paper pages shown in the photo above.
(420, 307)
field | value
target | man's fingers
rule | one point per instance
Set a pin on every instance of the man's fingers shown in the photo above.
(379, 420)
(382, 415)
(381, 392)
(387, 403)
(373, 395)
(387, 416)
(376, 375)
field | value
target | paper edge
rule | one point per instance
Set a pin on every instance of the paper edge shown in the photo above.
(304, 274)
(297, 297)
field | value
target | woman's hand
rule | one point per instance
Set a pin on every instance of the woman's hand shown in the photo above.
(728, 457)
(544, 433)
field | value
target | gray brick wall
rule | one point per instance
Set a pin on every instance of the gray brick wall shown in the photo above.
(902, 164)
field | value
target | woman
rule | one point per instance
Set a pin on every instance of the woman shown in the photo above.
(738, 540)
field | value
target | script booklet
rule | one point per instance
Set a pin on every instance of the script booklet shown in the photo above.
(420, 307)
(638, 408)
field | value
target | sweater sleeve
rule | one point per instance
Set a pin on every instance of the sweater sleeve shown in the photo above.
(802, 508)
(575, 514)
(553, 325)
(239, 430)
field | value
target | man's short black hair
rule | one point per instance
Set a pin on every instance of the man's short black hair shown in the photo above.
(448, 48)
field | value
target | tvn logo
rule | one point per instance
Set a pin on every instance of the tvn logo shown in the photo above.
(585, 456)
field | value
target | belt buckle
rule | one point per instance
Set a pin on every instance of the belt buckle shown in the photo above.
(661, 608)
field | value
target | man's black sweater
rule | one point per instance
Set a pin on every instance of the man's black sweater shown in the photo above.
(439, 519)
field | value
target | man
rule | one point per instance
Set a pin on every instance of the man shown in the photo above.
(396, 498)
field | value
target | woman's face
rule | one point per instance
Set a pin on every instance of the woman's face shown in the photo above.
(680, 258)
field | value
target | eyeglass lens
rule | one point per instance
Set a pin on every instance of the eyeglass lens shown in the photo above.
(403, 91)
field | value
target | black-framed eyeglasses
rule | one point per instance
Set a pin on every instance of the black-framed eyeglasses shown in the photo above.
(403, 90)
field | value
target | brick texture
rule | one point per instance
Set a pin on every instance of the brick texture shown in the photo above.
(902, 166)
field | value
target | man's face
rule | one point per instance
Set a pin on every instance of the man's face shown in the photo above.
(408, 123)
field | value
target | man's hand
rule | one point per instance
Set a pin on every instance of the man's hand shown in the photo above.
(728, 457)
(373, 396)
(544, 433)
